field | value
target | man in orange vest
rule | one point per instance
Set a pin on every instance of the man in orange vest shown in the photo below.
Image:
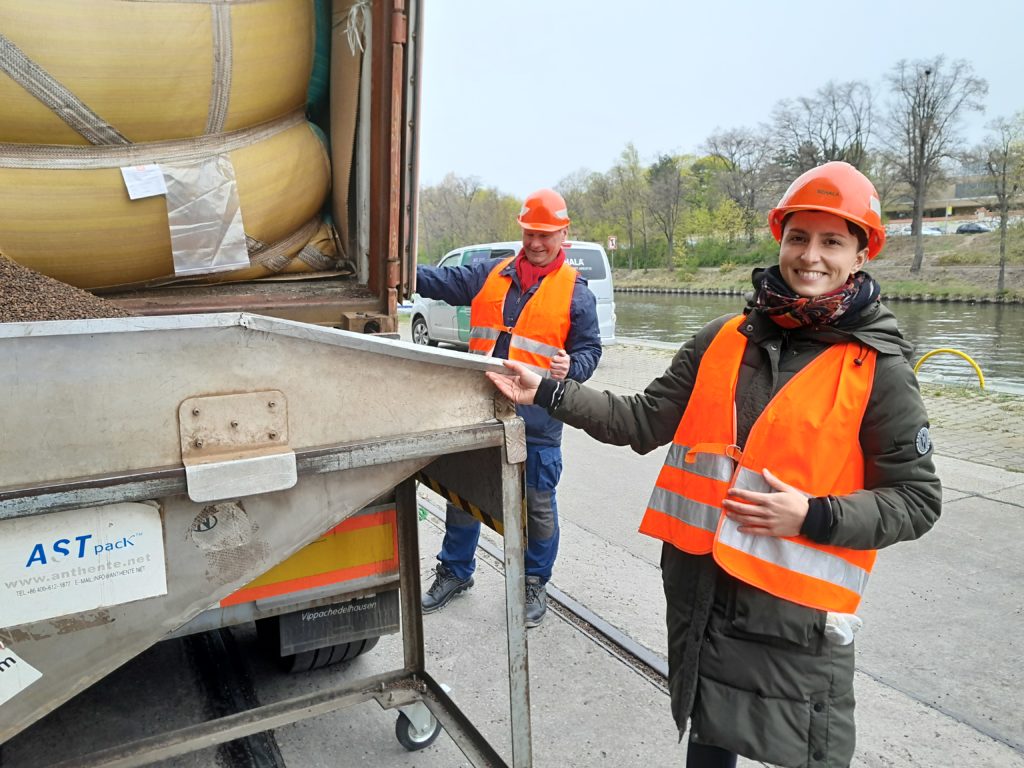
(536, 309)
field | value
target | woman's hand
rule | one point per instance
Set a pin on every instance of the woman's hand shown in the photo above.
(767, 514)
(519, 386)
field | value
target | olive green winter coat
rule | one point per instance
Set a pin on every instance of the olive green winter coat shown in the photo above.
(754, 674)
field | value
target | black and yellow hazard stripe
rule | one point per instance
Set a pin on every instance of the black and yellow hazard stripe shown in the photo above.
(453, 498)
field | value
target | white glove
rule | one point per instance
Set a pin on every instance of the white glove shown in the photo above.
(841, 627)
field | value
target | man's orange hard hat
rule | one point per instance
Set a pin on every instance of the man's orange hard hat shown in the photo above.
(544, 211)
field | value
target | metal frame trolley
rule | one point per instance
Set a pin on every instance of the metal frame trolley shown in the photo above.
(150, 467)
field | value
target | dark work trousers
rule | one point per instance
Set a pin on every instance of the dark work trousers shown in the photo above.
(462, 531)
(706, 756)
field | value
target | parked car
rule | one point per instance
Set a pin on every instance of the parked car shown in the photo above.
(925, 230)
(971, 227)
(437, 321)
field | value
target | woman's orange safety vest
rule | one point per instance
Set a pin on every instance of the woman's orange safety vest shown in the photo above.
(808, 436)
(542, 327)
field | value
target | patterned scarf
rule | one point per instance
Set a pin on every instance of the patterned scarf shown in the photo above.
(778, 301)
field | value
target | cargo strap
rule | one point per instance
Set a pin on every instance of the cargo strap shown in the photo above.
(278, 256)
(62, 102)
(220, 88)
(470, 509)
(188, 150)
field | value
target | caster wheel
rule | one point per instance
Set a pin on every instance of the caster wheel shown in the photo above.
(412, 739)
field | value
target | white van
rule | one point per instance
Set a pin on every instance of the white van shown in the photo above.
(435, 321)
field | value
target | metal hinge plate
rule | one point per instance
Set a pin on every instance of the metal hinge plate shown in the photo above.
(236, 445)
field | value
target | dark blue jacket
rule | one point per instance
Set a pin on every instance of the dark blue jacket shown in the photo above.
(458, 286)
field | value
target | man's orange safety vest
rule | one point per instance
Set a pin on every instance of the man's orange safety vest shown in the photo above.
(808, 436)
(542, 327)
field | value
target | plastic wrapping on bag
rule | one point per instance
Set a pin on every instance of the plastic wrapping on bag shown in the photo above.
(204, 217)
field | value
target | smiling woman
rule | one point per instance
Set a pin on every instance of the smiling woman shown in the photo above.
(798, 447)
(819, 252)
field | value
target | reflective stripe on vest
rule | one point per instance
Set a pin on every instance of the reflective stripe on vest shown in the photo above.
(808, 436)
(542, 327)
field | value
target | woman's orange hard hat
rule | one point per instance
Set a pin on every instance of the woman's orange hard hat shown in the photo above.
(837, 188)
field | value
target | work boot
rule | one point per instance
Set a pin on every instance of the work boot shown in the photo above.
(536, 601)
(445, 587)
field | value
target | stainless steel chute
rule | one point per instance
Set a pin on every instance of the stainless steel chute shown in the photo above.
(275, 431)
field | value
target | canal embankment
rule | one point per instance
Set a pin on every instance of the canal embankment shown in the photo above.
(955, 268)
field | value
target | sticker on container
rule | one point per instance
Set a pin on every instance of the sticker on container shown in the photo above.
(60, 563)
(16, 674)
(144, 181)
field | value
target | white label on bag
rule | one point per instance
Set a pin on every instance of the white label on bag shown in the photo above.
(144, 181)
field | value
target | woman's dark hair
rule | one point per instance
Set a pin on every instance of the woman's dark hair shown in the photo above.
(855, 230)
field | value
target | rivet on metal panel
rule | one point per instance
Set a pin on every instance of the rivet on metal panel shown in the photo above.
(198, 443)
(272, 435)
(234, 424)
(195, 411)
(271, 404)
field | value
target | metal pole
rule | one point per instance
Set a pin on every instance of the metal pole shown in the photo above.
(513, 514)
(409, 570)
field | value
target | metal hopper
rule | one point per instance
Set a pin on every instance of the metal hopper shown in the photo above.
(151, 466)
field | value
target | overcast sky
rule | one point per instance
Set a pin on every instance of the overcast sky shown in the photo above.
(521, 94)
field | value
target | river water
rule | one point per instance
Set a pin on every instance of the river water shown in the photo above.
(991, 334)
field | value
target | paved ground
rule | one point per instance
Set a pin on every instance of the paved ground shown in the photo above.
(938, 675)
(938, 678)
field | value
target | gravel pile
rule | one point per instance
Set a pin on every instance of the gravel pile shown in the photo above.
(26, 295)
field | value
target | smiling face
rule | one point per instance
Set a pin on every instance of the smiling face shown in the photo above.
(541, 248)
(818, 253)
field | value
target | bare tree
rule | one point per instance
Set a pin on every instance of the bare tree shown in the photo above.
(882, 169)
(573, 188)
(588, 196)
(631, 192)
(444, 213)
(747, 176)
(666, 199)
(459, 211)
(1001, 156)
(928, 100)
(834, 124)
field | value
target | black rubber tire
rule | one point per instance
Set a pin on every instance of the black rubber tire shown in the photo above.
(270, 639)
(406, 737)
(420, 334)
(307, 661)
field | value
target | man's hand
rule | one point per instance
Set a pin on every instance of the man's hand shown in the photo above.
(767, 514)
(560, 365)
(519, 386)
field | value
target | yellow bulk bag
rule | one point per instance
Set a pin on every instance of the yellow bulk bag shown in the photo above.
(309, 249)
(65, 212)
(152, 70)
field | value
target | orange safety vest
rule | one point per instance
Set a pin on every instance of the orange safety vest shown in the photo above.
(808, 436)
(542, 327)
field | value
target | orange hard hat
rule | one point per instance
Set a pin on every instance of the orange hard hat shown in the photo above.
(836, 188)
(544, 211)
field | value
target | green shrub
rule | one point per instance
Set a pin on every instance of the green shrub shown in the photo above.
(711, 252)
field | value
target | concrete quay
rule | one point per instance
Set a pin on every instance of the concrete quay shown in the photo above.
(938, 674)
(938, 679)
